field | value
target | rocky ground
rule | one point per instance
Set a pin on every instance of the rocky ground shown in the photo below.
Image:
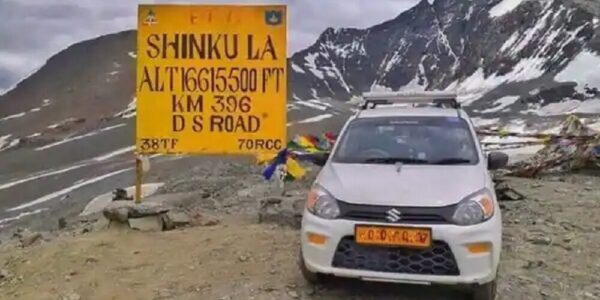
(550, 245)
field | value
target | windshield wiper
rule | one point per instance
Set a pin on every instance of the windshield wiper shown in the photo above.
(452, 161)
(393, 160)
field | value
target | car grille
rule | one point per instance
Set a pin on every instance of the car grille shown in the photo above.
(436, 260)
(412, 215)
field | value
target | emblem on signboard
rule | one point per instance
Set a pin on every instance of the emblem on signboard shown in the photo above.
(273, 17)
(150, 18)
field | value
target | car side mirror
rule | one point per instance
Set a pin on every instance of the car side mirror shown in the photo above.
(320, 159)
(497, 160)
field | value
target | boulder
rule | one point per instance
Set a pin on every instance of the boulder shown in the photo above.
(178, 218)
(26, 237)
(123, 210)
(148, 223)
(286, 212)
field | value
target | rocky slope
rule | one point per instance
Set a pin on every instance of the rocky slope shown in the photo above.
(549, 246)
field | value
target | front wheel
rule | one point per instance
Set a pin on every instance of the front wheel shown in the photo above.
(485, 291)
(309, 276)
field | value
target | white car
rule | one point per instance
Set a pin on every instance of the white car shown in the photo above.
(406, 196)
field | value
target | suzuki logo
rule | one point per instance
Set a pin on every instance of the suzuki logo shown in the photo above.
(393, 215)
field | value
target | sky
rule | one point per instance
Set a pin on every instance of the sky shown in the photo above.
(33, 30)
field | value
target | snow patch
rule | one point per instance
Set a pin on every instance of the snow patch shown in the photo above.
(579, 70)
(40, 175)
(15, 116)
(310, 63)
(569, 106)
(502, 103)
(132, 54)
(4, 140)
(67, 140)
(20, 216)
(34, 135)
(35, 109)
(114, 153)
(504, 7)
(297, 68)
(312, 104)
(53, 126)
(128, 112)
(470, 12)
(507, 140)
(67, 190)
(315, 119)
(480, 122)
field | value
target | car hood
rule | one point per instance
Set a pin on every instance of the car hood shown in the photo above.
(413, 185)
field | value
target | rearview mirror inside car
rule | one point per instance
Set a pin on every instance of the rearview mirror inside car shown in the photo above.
(497, 160)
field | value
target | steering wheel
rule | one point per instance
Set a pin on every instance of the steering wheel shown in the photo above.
(374, 153)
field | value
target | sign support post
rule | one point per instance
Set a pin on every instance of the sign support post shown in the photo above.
(139, 173)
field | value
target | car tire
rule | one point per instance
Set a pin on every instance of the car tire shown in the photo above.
(485, 291)
(310, 277)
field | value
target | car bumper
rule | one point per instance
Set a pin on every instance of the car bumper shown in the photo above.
(473, 268)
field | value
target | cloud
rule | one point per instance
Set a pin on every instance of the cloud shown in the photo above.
(32, 31)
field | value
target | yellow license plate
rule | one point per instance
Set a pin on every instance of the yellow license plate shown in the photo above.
(409, 237)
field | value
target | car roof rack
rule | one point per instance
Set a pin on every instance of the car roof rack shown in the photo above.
(437, 99)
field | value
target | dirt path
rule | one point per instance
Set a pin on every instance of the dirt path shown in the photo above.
(550, 252)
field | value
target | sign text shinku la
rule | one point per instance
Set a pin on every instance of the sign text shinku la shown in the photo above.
(211, 79)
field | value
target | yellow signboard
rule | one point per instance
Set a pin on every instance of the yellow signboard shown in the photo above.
(211, 79)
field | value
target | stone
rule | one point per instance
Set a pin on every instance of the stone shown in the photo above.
(179, 219)
(149, 223)
(243, 258)
(285, 213)
(101, 224)
(534, 264)
(164, 293)
(62, 223)
(119, 214)
(167, 223)
(29, 238)
(72, 296)
(545, 241)
(293, 294)
(206, 221)
(310, 291)
(122, 210)
(5, 275)
(91, 260)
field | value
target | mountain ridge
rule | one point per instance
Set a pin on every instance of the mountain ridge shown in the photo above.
(453, 45)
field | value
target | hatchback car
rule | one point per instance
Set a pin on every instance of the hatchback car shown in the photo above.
(406, 196)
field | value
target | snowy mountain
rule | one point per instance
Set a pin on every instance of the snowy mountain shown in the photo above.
(503, 55)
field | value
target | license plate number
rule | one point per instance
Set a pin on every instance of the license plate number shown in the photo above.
(393, 236)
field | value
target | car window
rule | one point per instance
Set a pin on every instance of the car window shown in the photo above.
(411, 140)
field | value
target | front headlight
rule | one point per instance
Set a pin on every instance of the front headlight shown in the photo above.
(322, 204)
(474, 209)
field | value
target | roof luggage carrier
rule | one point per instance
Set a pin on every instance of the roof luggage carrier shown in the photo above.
(436, 99)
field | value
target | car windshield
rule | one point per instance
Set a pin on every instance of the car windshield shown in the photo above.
(408, 140)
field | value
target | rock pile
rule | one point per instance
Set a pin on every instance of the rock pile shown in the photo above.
(146, 216)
